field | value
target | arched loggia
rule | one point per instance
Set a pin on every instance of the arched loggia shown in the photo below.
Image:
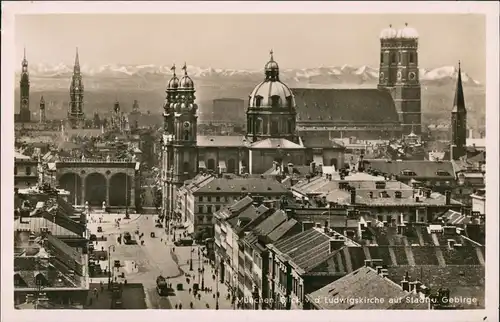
(72, 182)
(95, 189)
(120, 186)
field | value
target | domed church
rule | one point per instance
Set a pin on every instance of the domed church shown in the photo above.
(271, 140)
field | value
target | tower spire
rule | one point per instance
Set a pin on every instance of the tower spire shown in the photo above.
(24, 57)
(271, 52)
(173, 69)
(459, 101)
(77, 59)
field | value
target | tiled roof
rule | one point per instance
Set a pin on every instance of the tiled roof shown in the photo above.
(275, 144)
(65, 248)
(19, 156)
(282, 229)
(244, 186)
(240, 204)
(345, 106)
(306, 250)
(222, 141)
(319, 142)
(362, 283)
(453, 217)
(270, 223)
(423, 169)
(36, 223)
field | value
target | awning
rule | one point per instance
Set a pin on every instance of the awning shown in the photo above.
(318, 159)
(222, 165)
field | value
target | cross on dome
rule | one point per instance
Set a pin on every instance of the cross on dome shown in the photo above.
(184, 68)
(271, 52)
(173, 68)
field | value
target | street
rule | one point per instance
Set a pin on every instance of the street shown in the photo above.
(142, 264)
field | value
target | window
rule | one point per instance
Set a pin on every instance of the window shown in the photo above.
(412, 57)
(200, 199)
(399, 57)
(258, 125)
(289, 101)
(393, 58)
(186, 167)
(209, 209)
(186, 135)
(274, 127)
(28, 171)
(209, 199)
(217, 199)
(381, 57)
(258, 101)
(217, 208)
(15, 170)
(200, 209)
(409, 173)
(275, 101)
(442, 173)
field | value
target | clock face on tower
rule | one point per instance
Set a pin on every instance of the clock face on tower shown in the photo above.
(382, 76)
(399, 75)
(186, 125)
(412, 75)
(25, 101)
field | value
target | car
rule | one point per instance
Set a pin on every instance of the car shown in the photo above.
(99, 229)
(93, 237)
(159, 225)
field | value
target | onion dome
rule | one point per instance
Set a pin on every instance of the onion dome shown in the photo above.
(173, 83)
(186, 82)
(271, 92)
(388, 33)
(407, 32)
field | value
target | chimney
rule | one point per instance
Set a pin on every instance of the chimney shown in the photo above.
(379, 269)
(417, 199)
(306, 225)
(377, 262)
(326, 228)
(318, 225)
(448, 197)
(353, 196)
(371, 194)
(405, 283)
(336, 244)
(412, 286)
(290, 168)
(384, 272)
(428, 193)
(368, 262)
(417, 286)
(451, 243)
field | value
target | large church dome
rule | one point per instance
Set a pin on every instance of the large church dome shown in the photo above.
(407, 32)
(271, 93)
(388, 33)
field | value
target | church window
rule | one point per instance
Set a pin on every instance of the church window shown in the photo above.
(381, 57)
(258, 101)
(28, 171)
(186, 135)
(264, 126)
(209, 209)
(15, 170)
(289, 126)
(412, 57)
(393, 58)
(399, 57)
(275, 101)
(274, 127)
(186, 167)
(258, 126)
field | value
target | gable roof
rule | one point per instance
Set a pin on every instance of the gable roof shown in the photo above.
(362, 283)
(344, 106)
(244, 185)
(305, 250)
(276, 144)
(319, 141)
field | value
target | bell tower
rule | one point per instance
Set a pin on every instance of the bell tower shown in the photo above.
(24, 110)
(458, 121)
(42, 111)
(399, 73)
(75, 112)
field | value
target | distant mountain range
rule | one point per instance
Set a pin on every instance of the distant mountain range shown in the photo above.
(322, 75)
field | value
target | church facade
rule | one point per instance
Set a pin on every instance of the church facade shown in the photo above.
(24, 115)
(271, 138)
(388, 111)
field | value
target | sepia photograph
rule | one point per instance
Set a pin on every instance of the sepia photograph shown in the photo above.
(216, 160)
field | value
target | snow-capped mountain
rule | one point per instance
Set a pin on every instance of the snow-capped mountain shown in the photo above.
(322, 75)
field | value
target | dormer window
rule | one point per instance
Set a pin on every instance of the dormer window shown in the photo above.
(408, 173)
(442, 173)
(258, 101)
(380, 185)
(275, 101)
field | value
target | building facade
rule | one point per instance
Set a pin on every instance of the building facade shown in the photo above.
(25, 171)
(458, 121)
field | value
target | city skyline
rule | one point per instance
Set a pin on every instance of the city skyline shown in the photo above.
(222, 47)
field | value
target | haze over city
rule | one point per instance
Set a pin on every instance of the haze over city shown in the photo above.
(242, 41)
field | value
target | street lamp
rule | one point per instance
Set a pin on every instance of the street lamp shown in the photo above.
(191, 259)
(109, 264)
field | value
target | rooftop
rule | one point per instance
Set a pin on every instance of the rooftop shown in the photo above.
(244, 186)
(222, 141)
(361, 283)
(276, 144)
(412, 168)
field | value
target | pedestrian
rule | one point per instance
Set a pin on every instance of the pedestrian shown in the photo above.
(180, 306)
(189, 290)
(208, 306)
(176, 306)
(191, 304)
(199, 296)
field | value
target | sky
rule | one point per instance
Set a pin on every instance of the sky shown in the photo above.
(243, 41)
